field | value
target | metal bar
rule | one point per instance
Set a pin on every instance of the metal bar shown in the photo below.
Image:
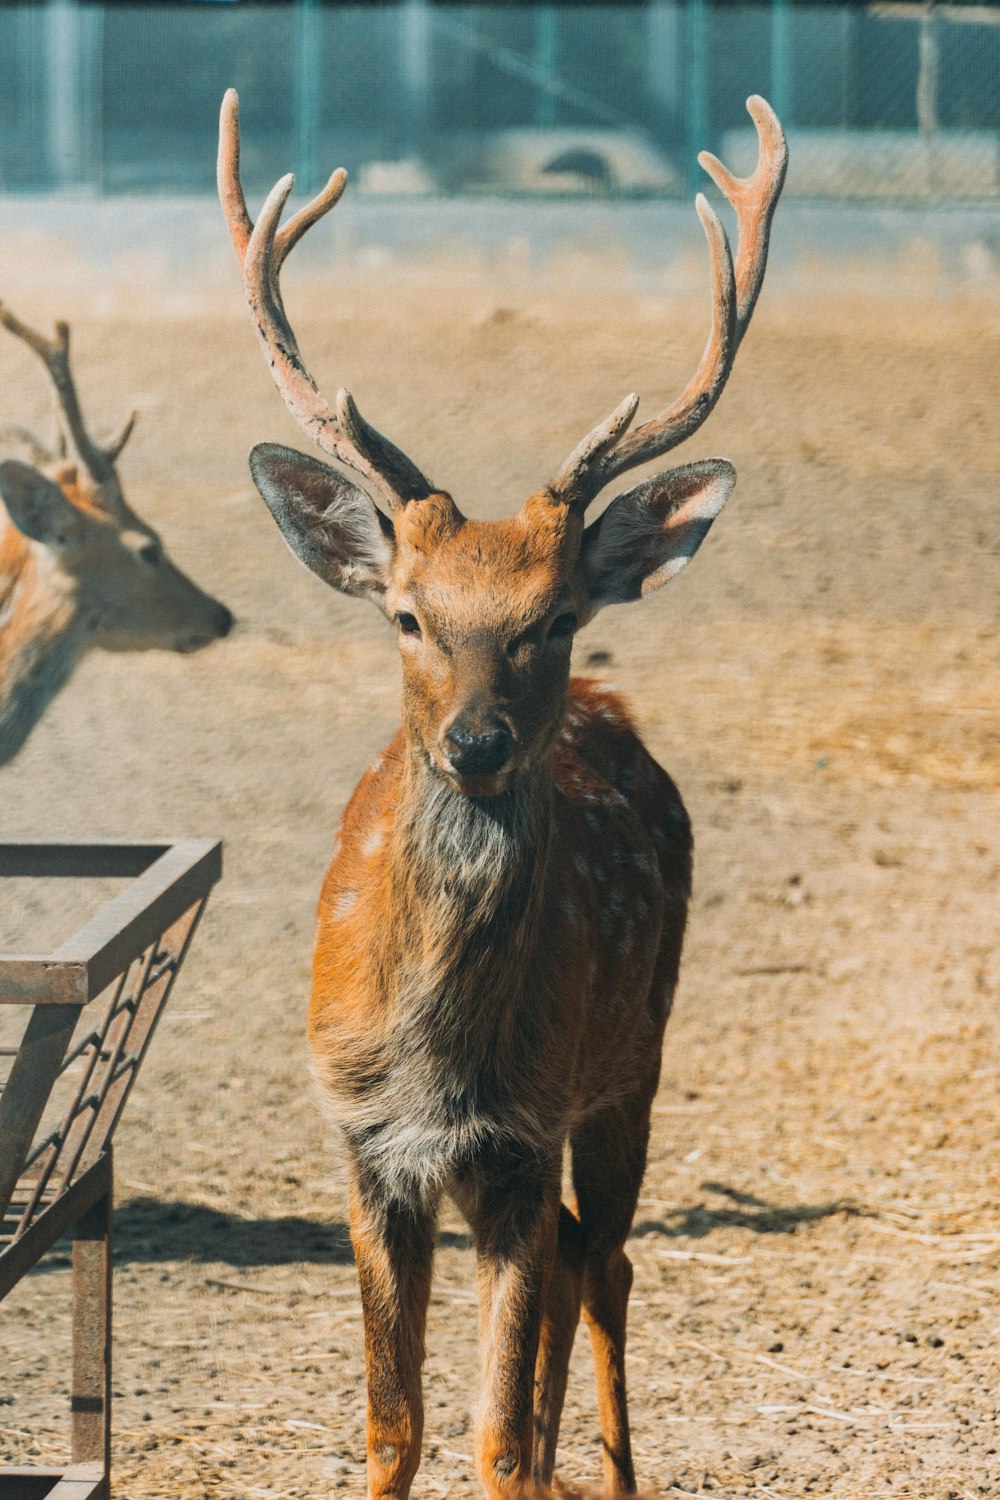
(91, 1040)
(53, 1222)
(413, 61)
(136, 918)
(29, 980)
(781, 60)
(546, 44)
(34, 1071)
(64, 113)
(150, 1008)
(696, 122)
(901, 10)
(96, 1041)
(664, 67)
(81, 968)
(71, 858)
(82, 1482)
(123, 1020)
(308, 21)
(91, 1391)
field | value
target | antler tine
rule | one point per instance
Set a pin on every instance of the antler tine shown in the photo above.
(13, 433)
(261, 250)
(234, 205)
(297, 225)
(114, 445)
(607, 452)
(754, 198)
(594, 446)
(99, 461)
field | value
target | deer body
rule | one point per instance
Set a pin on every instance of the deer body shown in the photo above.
(484, 967)
(492, 979)
(78, 567)
(500, 930)
(43, 634)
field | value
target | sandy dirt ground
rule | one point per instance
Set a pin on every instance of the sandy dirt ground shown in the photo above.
(817, 1249)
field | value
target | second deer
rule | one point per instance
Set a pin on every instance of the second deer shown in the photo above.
(78, 567)
(500, 930)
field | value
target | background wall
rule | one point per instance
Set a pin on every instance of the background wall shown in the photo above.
(893, 100)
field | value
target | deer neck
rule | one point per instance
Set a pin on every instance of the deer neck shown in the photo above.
(43, 633)
(470, 870)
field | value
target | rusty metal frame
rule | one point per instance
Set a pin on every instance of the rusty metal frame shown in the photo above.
(58, 1179)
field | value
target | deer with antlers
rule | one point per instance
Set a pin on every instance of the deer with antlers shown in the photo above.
(78, 567)
(500, 930)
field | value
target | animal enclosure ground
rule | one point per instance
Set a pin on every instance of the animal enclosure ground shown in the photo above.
(817, 1296)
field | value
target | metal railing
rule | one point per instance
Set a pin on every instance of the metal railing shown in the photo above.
(75, 1024)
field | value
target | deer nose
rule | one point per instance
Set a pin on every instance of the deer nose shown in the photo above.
(481, 754)
(224, 620)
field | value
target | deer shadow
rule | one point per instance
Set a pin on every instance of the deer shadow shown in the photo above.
(153, 1231)
(743, 1211)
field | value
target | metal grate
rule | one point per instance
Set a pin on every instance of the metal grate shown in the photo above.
(85, 1014)
(100, 1067)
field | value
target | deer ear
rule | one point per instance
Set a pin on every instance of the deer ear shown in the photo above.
(37, 505)
(646, 536)
(329, 523)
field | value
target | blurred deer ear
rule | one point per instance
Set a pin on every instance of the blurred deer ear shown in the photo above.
(646, 536)
(329, 523)
(37, 506)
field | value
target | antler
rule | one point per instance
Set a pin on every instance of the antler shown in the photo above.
(98, 459)
(261, 250)
(606, 452)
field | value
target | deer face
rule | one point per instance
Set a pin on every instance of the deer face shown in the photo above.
(113, 564)
(486, 610)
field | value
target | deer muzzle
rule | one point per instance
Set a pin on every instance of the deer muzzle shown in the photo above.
(481, 751)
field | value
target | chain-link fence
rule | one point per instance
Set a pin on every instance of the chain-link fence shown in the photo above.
(893, 100)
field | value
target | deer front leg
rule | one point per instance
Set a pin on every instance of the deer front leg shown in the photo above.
(512, 1209)
(561, 1314)
(393, 1246)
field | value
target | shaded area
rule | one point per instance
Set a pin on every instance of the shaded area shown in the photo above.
(148, 1230)
(746, 1212)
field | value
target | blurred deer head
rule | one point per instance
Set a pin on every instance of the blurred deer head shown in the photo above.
(78, 566)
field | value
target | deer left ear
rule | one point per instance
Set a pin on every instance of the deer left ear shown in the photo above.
(328, 522)
(37, 506)
(646, 536)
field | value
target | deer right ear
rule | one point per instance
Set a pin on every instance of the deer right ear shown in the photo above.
(37, 505)
(646, 536)
(329, 523)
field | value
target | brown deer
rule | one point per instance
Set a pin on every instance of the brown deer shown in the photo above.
(78, 567)
(500, 929)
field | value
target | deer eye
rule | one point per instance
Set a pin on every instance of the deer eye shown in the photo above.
(562, 626)
(408, 624)
(150, 553)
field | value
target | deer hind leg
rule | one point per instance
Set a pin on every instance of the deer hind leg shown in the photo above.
(609, 1157)
(512, 1210)
(393, 1246)
(560, 1316)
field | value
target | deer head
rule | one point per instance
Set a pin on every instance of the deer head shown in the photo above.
(486, 610)
(96, 550)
